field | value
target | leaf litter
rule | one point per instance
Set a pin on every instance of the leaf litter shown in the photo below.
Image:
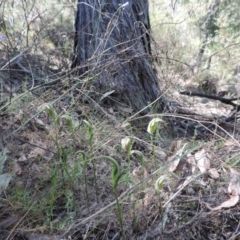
(194, 183)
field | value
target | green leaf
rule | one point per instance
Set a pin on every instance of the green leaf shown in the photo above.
(139, 154)
(90, 130)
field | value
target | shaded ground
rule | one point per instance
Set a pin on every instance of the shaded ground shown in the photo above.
(57, 193)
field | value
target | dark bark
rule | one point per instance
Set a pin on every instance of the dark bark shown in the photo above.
(113, 43)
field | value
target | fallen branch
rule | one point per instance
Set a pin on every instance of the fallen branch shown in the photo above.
(228, 101)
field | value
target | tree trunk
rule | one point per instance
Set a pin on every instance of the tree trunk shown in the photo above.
(210, 29)
(112, 43)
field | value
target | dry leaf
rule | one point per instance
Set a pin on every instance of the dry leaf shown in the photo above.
(140, 173)
(185, 182)
(175, 145)
(40, 124)
(40, 151)
(127, 110)
(22, 158)
(200, 183)
(145, 199)
(176, 159)
(202, 160)
(174, 165)
(111, 110)
(36, 152)
(188, 170)
(213, 173)
(17, 169)
(191, 163)
(18, 117)
(234, 185)
(233, 189)
(148, 198)
(229, 203)
(158, 151)
(106, 94)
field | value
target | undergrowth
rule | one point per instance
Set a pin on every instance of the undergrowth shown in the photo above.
(75, 168)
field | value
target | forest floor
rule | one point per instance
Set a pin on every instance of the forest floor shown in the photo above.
(63, 147)
(77, 164)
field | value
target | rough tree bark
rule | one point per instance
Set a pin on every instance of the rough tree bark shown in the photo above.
(112, 42)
